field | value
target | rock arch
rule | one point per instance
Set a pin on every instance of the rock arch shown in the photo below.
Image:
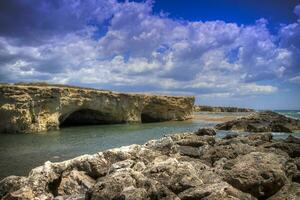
(36, 108)
(87, 116)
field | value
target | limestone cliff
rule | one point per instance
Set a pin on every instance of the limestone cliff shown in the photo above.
(35, 108)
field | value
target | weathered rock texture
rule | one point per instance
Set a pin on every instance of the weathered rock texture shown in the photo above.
(185, 166)
(30, 108)
(199, 108)
(266, 121)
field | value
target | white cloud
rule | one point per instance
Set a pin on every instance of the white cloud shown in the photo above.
(256, 89)
(216, 95)
(295, 79)
(141, 49)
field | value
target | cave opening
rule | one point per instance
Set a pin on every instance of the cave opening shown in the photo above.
(147, 118)
(84, 117)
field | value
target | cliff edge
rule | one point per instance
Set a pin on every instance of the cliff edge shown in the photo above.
(36, 108)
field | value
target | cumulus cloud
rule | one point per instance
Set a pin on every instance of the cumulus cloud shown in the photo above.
(108, 43)
(297, 10)
(35, 22)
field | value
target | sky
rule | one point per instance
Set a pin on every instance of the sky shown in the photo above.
(229, 53)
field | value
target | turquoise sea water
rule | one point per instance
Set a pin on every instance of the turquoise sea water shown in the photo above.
(21, 152)
(290, 113)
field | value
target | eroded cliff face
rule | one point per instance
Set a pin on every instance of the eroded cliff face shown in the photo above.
(28, 109)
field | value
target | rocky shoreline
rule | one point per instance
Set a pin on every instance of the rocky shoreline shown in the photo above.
(186, 166)
(266, 121)
(202, 108)
(183, 166)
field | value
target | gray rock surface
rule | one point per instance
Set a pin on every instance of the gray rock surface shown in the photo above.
(266, 121)
(183, 166)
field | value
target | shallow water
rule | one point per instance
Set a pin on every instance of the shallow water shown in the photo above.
(290, 113)
(21, 152)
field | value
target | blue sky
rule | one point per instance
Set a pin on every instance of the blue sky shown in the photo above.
(230, 52)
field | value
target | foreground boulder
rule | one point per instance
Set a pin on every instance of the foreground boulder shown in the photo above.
(183, 166)
(267, 121)
(288, 192)
(257, 173)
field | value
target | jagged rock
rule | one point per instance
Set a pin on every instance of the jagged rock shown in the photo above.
(193, 139)
(190, 142)
(189, 151)
(293, 149)
(288, 192)
(74, 182)
(257, 173)
(111, 187)
(24, 193)
(257, 139)
(10, 184)
(292, 171)
(227, 148)
(221, 190)
(177, 176)
(134, 193)
(35, 108)
(164, 145)
(179, 166)
(70, 197)
(264, 137)
(125, 184)
(267, 121)
(297, 162)
(205, 131)
(292, 139)
(230, 136)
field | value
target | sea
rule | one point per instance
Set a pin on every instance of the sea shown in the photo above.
(19, 153)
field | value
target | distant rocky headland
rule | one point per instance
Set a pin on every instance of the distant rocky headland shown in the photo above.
(28, 108)
(185, 166)
(202, 108)
(266, 121)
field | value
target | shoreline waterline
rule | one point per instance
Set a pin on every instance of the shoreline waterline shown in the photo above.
(19, 153)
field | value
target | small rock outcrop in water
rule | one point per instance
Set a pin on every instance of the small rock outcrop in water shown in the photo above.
(35, 108)
(182, 166)
(199, 108)
(266, 121)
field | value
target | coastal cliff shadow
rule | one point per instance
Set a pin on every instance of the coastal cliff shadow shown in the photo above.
(151, 114)
(87, 117)
(146, 118)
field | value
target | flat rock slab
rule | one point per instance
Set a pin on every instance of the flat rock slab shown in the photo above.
(267, 121)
